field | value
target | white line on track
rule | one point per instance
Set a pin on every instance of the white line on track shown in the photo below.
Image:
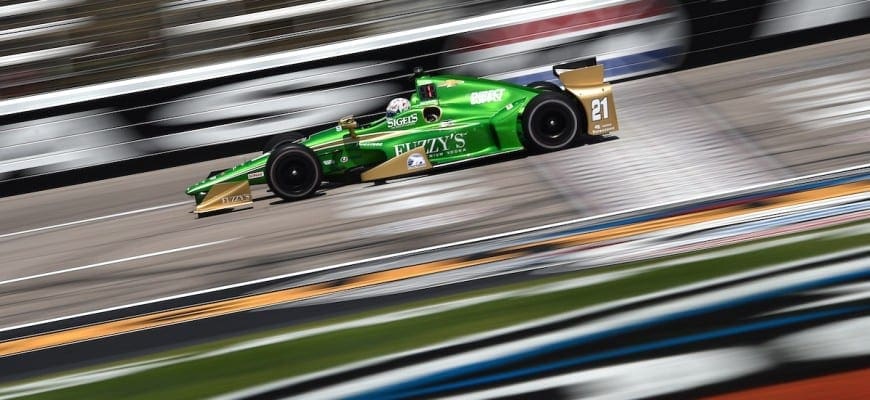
(442, 246)
(117, 261)
(83, 221)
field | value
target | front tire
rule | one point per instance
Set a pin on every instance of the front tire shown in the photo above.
(551, 121)
(281, 139)
(293, 172)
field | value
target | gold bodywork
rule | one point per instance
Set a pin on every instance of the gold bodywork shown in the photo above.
(225, 195)
(410, 162)
(588, 85)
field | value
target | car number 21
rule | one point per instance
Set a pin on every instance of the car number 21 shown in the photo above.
(599, 107)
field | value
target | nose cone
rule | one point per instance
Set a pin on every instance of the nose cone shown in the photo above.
(202, 186)
(191, 190)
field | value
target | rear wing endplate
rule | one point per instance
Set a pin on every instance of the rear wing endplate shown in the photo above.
(585, 80)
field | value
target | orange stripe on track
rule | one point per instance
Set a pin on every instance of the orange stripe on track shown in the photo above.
(719, 213)
(854, 385)
(218, 308)
(247, 303)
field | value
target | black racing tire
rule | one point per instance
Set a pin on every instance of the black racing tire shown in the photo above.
(551, 121)
(293, 172)
(281, 139)
(544, 85)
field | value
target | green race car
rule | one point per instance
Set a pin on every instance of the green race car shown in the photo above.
(448, 119)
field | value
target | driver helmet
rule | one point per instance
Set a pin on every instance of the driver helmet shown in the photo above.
(397, 105)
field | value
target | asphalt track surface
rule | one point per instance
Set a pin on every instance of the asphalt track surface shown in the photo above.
(692, 133)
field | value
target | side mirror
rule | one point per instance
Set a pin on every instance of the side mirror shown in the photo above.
(348, 123)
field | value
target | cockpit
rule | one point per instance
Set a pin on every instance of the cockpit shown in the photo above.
(400, 109)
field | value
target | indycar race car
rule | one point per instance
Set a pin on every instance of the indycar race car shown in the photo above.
(448, 119)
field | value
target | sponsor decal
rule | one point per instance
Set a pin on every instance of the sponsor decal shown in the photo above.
(371, 144)
(450, 83)
(487, 96)
(453, 143)
(327, 162)
(255, 175)
(416, 160)
(447, 124)
(236, 198)
(394, 123)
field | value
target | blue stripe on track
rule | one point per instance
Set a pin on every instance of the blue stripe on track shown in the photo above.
(403, 390)
(625, 351)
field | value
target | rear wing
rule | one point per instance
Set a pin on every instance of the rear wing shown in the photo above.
(585, 80)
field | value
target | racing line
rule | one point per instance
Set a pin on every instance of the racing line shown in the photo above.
(100, 218)
(116, 261)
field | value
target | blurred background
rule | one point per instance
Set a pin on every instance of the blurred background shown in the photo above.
(87, 83)
(51, 45)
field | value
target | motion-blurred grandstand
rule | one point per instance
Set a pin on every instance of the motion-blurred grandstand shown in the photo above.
(87, 83)
(58, 44)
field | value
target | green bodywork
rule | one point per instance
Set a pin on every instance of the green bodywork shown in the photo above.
(478, 118)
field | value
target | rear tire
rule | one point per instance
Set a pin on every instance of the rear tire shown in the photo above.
(293, 172)
(544, 85)
(281, 139)
(551, 121)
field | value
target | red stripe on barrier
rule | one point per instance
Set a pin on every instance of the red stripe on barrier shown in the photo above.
(484, 39)
(844, 386)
